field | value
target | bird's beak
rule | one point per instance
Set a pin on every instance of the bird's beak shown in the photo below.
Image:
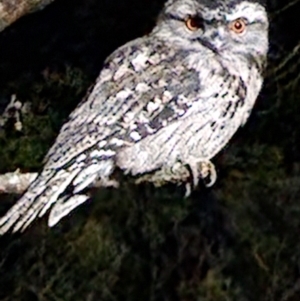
(208, 45)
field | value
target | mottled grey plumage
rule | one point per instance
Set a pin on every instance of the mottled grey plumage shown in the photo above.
(172, 98)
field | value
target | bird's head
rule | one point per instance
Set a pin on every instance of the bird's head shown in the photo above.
(228, 27)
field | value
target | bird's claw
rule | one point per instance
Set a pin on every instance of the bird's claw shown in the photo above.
(181, 173)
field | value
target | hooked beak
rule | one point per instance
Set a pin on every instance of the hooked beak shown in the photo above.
(208, 45)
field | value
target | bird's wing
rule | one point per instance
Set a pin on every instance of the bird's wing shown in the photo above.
(134, 96)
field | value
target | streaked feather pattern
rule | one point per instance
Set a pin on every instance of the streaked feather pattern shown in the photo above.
(172, 97)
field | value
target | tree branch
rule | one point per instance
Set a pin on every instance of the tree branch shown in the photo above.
(11, 10)
(16, 182)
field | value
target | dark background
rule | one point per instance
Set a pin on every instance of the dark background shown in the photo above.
(237, 241)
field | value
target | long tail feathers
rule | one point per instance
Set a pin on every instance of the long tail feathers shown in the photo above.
(49, 190)
(42, 193)
(83, 179)
(64, 206)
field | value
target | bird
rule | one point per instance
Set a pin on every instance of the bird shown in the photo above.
(163, 105)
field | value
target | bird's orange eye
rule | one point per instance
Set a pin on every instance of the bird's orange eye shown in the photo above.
(238, 26)
(194, 23)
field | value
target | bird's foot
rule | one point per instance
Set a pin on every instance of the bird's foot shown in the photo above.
(204, 170)
(181, 173)
(167, 174)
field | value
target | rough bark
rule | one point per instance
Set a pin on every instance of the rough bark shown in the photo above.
(11, 10)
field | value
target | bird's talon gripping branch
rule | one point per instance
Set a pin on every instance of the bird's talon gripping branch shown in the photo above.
(204, 170)
(208, 173)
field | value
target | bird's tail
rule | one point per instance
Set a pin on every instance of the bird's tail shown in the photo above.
(52, 186)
